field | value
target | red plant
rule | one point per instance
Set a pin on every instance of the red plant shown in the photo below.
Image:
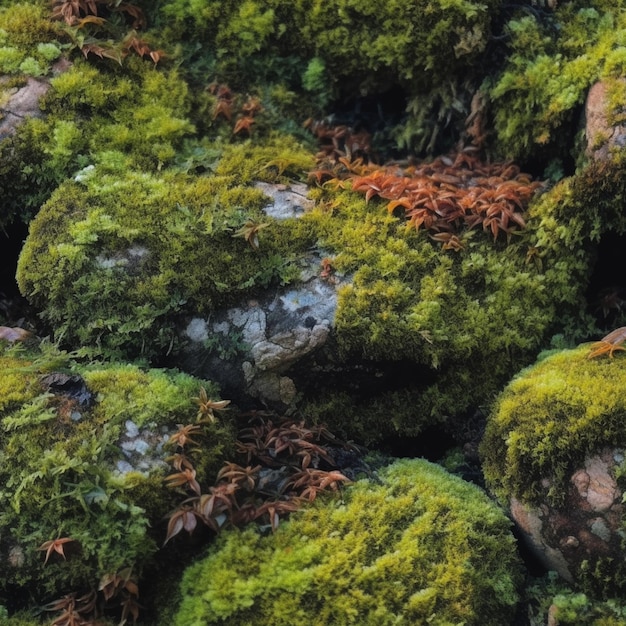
(287, 475)
(444, 196)
(55, 545)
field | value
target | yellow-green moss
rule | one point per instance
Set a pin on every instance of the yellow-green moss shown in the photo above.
(551, 64)
(422, 547)
(113, 259)
(61, 474)
(549, 418)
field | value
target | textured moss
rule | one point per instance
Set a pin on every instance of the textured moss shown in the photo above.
(551, 63)
(364, 42)
(549, 418)
(458, 324)
(112, 259)
(342, 50)
(571, 608)
(422, 546)
(63, 473)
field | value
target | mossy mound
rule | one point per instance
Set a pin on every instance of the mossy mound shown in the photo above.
(135, 108)
(553, 450)
(549, 418)
(553, 58)
(114, 256)
(117, 257)
(423, 546)
(82, 458)
(421, 56)
(348, 46)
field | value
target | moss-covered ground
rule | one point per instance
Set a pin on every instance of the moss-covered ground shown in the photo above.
(137, 181)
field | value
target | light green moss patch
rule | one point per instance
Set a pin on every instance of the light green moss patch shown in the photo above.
(114, 258)
(422, 547)
(90, 471)
(549, 418)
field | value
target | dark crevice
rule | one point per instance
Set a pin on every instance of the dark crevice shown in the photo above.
(606, 292)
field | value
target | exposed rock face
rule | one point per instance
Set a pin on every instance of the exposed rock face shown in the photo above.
(23, 103)
(602, 135)
(287, 200)
(589, 524)
(251, 347)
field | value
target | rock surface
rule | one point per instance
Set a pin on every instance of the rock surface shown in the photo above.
(586, 527)
(601, 133)
(250, 347)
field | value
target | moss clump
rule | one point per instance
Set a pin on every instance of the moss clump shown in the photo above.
(363, 42)
(453, 326)
(115, 256)
(423, 546)
(335, 50)
(571, 607)
(85, 461)
(549, 418)
(551, 63)
(135, 109)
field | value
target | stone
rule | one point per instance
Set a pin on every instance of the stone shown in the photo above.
(585, 527)
(249, 349)
(602, 136)
(22, 103)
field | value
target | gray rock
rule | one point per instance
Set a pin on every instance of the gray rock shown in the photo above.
(249, 349)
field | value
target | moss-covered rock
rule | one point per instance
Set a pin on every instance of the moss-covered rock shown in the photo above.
(82, 458)
(364, 42)
(118, 258)
(115, 255)
(422, 546)
(552, 60)
(553, 449)
(424, 53)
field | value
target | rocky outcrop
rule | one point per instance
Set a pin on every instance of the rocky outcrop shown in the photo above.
(586, 527)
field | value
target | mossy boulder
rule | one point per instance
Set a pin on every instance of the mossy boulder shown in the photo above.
(126, 262)
(115, 255)
(553, 450)
(83, 458)
(418, 546)
(552, 60)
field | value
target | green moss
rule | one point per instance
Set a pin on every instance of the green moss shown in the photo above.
(27, 24)
(433, 312)
(550, 66)
(330, 51)
(549, 418)
(73, 479)
(423, 546)
(571, 607)
(114, 258)
(361, 41)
